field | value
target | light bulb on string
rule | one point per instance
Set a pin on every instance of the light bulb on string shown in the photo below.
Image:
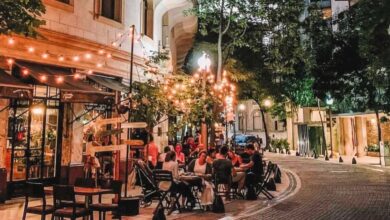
(25, 72)
(43, 78)
(60, 79)
(90, 72)
(88, 56)
(31, 49)
(76, 76)
(45, 55)
(101, 52)
(108, 55)
(61, 58)
(10, 61)
(99, 65)
(114, 44)
(11, 41)
(76, 58)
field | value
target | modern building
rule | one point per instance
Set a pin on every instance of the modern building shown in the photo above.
(52, 88)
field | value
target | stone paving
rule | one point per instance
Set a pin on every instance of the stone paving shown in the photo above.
(332, 191)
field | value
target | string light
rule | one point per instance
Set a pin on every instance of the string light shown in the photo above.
(60, 79)
(101, 52)
(61, 58)
(10, 61)
(11, 41)
(90, 72)
(76, 76)
(43, 78)
(108, 55)
(45, 55)
(31, 49)
(114, 44)
(25, 72)
(88, 56)
(99, 65)
(76, 58)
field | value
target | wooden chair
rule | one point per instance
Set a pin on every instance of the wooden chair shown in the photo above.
(165, 176)
(102, 208)
(64, 194)
(36, 190)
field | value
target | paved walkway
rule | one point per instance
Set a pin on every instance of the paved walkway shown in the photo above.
(332, 191)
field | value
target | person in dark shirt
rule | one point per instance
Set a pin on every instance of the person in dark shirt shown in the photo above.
(255, 164)
(224, 170)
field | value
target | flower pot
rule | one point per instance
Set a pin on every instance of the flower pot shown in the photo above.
(372, 154)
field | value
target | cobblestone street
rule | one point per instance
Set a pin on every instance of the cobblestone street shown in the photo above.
(332, 191)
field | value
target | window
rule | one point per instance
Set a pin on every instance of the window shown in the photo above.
(111, 9)
(241, 122)
(66, 5)
(257, 121)
(147, 18)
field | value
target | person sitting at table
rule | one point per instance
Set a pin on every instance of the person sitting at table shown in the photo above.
(172, 165)
(161, 157)
(223, 168)
(201, 167)
(255, 164)
(236, 159)
(180, 157)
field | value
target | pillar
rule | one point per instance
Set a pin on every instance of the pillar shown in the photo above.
(77, 136)
(346, 137)
(361, 133)
(3, 132)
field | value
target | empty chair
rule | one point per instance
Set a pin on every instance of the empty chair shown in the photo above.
(164, 180)
(102, 208)
(36, 190)
(63, 194)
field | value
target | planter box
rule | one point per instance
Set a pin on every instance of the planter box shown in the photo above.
(372, 154)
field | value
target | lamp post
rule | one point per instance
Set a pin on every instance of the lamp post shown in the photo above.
(241, 109)
(204, 63)
(329, 102)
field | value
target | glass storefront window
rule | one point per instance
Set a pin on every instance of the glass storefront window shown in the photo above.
(36, 138)
(50, 143)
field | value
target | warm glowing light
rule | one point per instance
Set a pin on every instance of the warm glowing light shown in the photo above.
(119, 34)
(90, 72)
(176, 102)
(43, 78)
(10, 61)
(108, 55)
(60, 79)
(165, 88)
(25, 72)
(196, 75)
(241, 107)
(177, 86)
(31, 49)
(267, 103)
(224, 73)
(76, 76)
(114, 44)
(88, 56)
(99, 65)
(173, 91)
(11, 41)
(170, 97)
(76, 58)
(373, 120)
(45, 55)
(192, 81)
(38, 110)
(61, 58)
(101, 52)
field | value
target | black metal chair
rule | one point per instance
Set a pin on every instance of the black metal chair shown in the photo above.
(224, 186)
(102, 208)
(36, 190)
(164, 176)
(85, 182)
(261, 186)
(64, 194)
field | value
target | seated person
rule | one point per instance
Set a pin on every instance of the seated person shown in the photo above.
(201, 167)
(178, 186)
(211, 153)
(236, 159)
(224, 170)
(161, 157)
(179, 154)
(255, 164)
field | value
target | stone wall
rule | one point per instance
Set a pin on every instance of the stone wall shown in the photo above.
(372, 132)
(3, 132)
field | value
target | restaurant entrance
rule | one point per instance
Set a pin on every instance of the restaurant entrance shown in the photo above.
(34, 142)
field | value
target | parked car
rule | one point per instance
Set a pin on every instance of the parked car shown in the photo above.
(242, 140)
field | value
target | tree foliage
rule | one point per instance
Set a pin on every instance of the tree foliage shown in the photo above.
(21, 16)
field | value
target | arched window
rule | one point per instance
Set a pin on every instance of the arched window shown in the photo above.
(257, 122)
(241, 119)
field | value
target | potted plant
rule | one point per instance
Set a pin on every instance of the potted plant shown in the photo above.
(372, 150)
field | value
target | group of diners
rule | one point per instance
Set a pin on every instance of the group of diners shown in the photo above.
(213, 166)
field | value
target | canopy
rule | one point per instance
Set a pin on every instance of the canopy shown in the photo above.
(72, 89)
(11, 87)
(110, 83)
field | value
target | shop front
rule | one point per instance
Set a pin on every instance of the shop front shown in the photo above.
(36, 125)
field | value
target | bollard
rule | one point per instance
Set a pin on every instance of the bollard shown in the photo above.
(354, 160)
(341, 160)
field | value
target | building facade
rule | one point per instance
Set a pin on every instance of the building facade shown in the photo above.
(74, 73)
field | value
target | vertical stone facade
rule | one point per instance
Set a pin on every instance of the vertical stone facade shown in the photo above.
(3, 131)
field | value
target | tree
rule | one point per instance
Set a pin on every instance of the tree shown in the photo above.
(227, 20)
(21, 16)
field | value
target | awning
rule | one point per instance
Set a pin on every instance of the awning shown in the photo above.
(72, 90)
(110, 83)
(11, 87)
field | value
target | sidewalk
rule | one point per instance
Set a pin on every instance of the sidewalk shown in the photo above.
(235, 209)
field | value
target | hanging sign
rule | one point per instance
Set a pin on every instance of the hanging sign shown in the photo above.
(107, 121)
(135, 142)
(91, 150)
(134, 125)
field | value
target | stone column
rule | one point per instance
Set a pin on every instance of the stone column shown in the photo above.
(3, 132)
(346, 136)
(361, 133)
(77, 136)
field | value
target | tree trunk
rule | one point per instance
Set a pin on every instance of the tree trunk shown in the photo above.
(267, 137)
(378, 124)
(220, 34)
(323, 128)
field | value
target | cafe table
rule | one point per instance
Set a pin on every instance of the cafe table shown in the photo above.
(88, 192)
